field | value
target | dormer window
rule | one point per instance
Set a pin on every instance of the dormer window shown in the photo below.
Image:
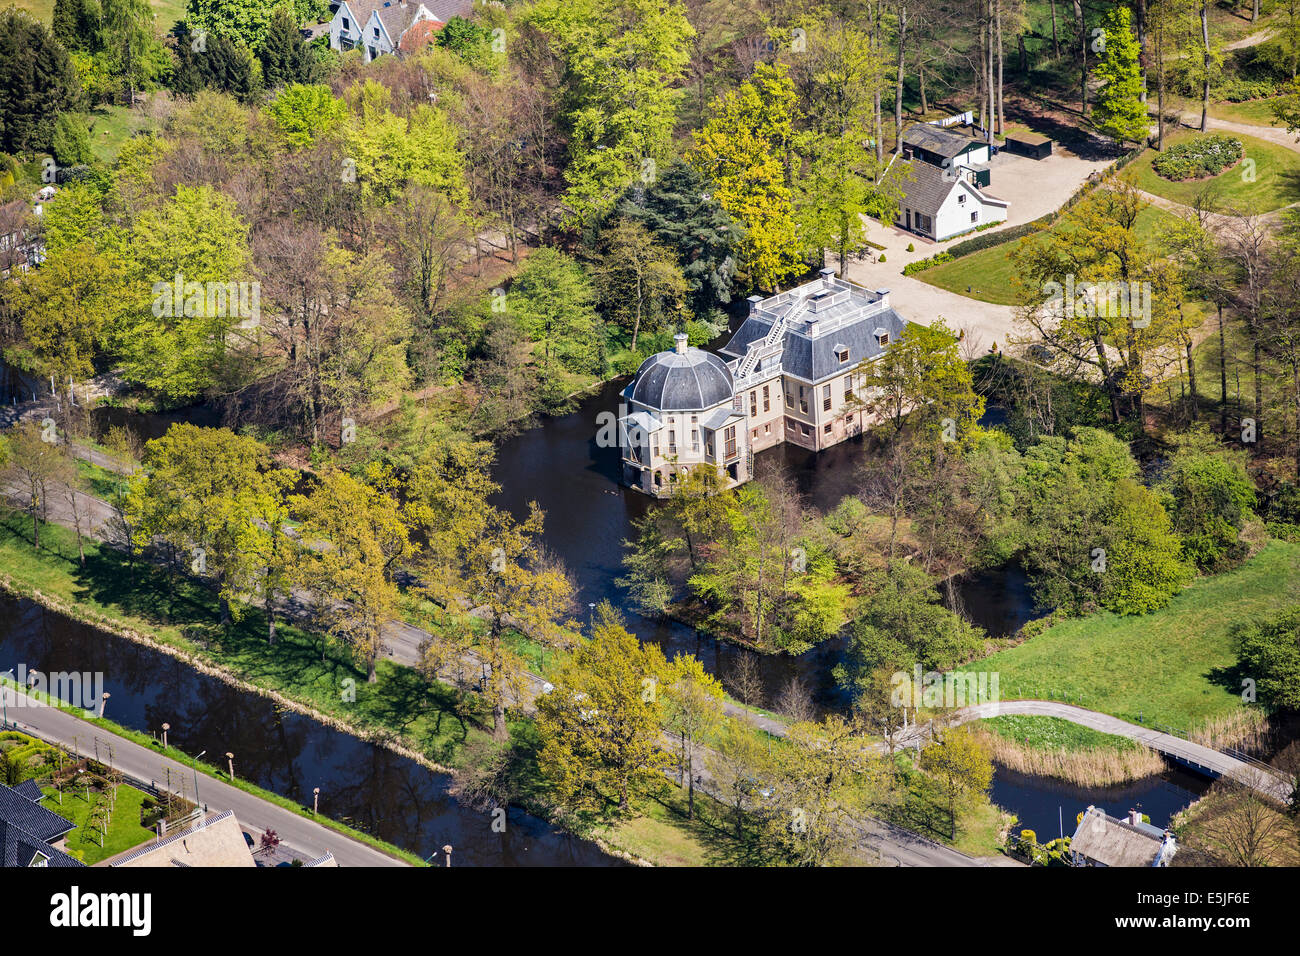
(882, 337)
(841, 354)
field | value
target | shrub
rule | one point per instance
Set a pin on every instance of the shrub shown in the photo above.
(920, 265)
(911, 247)
(882, 258)
(1198, 158)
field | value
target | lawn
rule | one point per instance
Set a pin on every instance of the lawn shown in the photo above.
(124, 829)
(1276, 180)
(166, 11)
(1175, 667)
(111, 126)
(986, 275)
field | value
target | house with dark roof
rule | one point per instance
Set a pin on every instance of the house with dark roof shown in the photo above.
(388, 26)
(31, 835)
(943, 174)
(1102, 840)
(789, 373)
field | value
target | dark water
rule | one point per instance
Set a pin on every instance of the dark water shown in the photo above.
(589, 514)
(367, 786)
(1042, 804)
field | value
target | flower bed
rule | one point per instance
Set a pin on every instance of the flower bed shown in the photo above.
(1198, 158)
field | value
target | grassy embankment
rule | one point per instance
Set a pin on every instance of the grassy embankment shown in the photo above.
(1175, 667)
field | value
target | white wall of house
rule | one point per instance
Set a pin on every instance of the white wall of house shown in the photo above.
(964, 210)
(345, 31)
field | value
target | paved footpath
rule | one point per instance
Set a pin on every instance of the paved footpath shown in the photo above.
(1215, 762)
(306, 836)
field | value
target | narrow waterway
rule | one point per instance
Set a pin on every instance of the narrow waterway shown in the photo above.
(1051, 807)
(560, 465)
(362, 784)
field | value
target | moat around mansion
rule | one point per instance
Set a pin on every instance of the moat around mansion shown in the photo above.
(788, 374)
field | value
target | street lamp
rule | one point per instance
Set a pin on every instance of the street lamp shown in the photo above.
(103, 699)
(447, 850)
(196, 779)
(230, 763)
(4, 700)
(166, 727)
(315, 801)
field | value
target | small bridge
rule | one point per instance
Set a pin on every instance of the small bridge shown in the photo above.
(1232, 764)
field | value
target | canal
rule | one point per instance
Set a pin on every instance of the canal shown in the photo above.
(362, 784)
(1050, 807)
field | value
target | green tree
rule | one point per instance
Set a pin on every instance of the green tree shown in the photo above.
(902, 623)
(743, 152)
(33, 463)
(920, 382)
(554, 303)
(356, 540)
(284, 54)
(693, 710)
(622, 65)
(961, 765)
(1268, 652)
(599, 727)
(70, 143)
(304, 112)
(1211, 497)
(176, 345)
(1120, 111)
(199, 494)
(39, 82)
(249, 21)
(637, 279)
(682, 216)
(69, 309)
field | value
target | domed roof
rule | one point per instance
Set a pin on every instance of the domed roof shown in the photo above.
(688, 379)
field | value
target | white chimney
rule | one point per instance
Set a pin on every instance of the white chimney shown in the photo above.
(680, 339)
(753, 301)
(828, 278)
(1134, 817)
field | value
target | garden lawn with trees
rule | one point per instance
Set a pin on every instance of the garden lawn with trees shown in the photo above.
(1175, 667)
(1273, 183)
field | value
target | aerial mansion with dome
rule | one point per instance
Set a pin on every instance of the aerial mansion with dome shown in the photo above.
(788, 374)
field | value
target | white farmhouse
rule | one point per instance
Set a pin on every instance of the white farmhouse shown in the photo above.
(389, 26)
(943, 175)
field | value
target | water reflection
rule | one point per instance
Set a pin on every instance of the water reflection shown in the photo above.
(368, 786)
(1049, 807)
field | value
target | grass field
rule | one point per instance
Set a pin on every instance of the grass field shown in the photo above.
(1175, 667)
(167, 11)
(986, 275)
(124, 829)
(1276, 179)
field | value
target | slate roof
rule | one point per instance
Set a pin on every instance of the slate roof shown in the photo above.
(926, 187)
(397, 16)
(27, 828)
(681, 382)
(851, 321)
(28, 815)
(18, 848)
(30, 789)
(938, 140)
